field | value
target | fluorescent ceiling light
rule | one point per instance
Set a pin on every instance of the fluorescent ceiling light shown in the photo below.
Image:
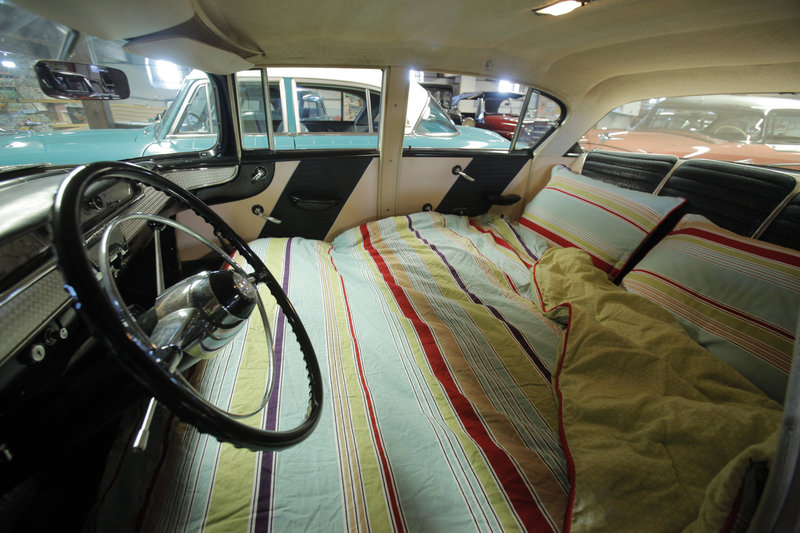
(560, 8)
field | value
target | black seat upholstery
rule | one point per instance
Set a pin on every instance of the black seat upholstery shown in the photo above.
(640, 172)
(735, 196)
(785, 229)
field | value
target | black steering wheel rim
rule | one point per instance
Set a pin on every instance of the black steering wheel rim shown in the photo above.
(93, 304)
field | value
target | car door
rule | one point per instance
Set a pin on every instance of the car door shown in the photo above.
(309, 156)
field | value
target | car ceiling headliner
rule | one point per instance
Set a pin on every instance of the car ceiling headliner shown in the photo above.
(606, 53)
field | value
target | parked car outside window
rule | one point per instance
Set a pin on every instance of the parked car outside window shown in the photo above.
(757, 129)
(499, 111)
(340, 108)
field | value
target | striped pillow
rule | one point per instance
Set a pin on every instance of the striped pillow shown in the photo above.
(608, 222)
(736, 296)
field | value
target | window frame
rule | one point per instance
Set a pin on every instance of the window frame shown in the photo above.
(211, 103)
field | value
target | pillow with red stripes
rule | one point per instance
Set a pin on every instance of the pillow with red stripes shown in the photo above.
(608, 222)
(738, 297)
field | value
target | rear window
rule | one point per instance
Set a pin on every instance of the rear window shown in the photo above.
(749, 128)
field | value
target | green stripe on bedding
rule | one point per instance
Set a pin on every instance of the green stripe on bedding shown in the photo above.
(444, 455)
(394, 450)
(608, 222)
(464, 341)
(736, 296)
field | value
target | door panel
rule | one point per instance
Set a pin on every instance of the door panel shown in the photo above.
(314, 196)
(430, 180)
(348, 182)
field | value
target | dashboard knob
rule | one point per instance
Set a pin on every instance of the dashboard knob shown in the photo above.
(37, 353)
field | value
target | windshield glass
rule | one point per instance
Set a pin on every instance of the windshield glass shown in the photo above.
(748, 128)
(170, 108)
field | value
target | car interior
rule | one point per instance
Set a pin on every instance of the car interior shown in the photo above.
(381, 325)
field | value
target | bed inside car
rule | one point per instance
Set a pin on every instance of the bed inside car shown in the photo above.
(453, 333)
(489, 373)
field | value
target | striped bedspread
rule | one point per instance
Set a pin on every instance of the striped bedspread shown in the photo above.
(438, 415)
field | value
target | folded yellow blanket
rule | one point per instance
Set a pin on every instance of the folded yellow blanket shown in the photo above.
(658, 432)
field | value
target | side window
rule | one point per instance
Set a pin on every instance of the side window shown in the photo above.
(375, 111)
(199, 114)
(326, 109)
(542, 116)
(310, 108)
(761, 129)
(452, 111)
(783, 127)
(434, 120)
(252, 111)
(276, 108)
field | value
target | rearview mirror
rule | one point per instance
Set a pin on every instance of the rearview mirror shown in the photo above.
(79, 81)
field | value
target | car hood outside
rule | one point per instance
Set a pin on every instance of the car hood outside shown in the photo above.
(74, 147)
(468, 138)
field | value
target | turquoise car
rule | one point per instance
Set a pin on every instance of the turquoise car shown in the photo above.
(325, 109)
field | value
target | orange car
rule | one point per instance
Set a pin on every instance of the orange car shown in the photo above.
(763, 130)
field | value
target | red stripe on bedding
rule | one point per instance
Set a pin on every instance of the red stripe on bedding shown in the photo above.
(600, 206)
(499, 240)
(567, 526)
(397, 515)
(761, 251)
(564, 243)
(727, 309)
(512, 482)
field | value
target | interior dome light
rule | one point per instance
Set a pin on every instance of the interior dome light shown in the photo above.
(559, 8)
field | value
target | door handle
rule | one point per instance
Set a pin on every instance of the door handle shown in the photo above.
(313, 204)
(503, 199)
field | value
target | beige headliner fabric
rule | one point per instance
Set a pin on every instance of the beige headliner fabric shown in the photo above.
(604, 54)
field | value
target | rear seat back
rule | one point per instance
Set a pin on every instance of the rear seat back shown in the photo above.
(737, 197)
(784, 230)
(640, 172)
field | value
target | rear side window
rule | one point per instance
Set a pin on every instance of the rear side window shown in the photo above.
(310, 108)
(328, 109)
(451, 111)
(760, 129)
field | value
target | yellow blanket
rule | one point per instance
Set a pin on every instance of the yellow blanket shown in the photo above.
(658, 433)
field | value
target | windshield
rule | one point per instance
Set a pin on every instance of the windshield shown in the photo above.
(170, 108)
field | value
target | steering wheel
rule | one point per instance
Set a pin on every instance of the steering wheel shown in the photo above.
(734, 129)
(155, 358)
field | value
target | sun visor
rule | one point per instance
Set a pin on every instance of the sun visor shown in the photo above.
(189, 53)
(113, 19)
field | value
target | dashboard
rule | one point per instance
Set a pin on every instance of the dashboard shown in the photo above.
(34, 306)
(52, 370)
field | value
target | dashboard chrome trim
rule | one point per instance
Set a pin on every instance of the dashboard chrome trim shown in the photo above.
(34, 303)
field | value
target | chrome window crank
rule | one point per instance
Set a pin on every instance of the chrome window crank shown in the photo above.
(457, 171)
(258, 211)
